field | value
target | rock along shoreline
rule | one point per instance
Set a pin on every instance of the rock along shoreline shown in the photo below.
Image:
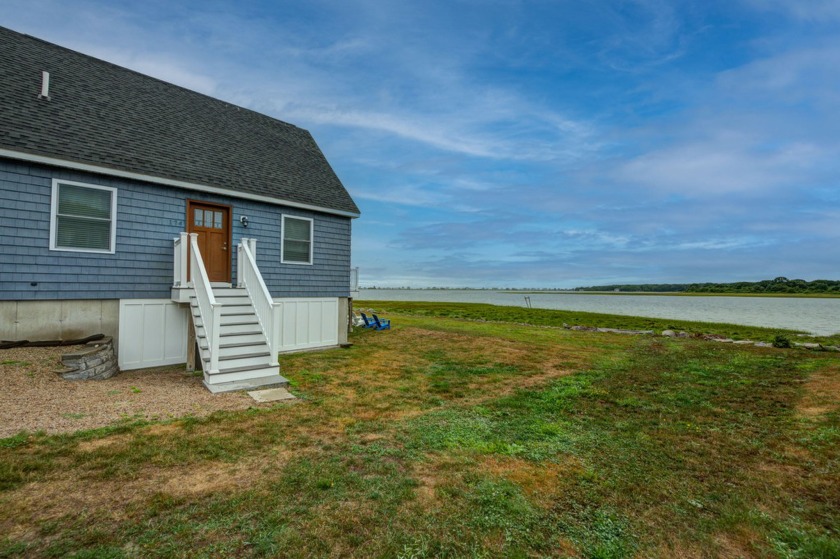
(708, 337)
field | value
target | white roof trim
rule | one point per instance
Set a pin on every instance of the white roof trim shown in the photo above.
(168, 182)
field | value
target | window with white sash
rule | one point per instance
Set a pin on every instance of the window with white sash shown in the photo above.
(83, 217)
(297, 240)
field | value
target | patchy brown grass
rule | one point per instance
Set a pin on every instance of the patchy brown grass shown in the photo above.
(543, 482)
(821, 390)
(741, 543)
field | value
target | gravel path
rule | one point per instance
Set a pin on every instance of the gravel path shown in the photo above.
(34, 398)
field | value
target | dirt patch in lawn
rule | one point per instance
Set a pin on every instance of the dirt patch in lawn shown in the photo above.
(34, 398)
(61, 497)
(821, 392)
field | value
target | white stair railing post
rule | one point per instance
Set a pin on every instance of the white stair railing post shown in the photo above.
(252, 244)
(176, 262)
(184, 250)
(239, 257)
(214, 341)
(179, 261)
(274, 343)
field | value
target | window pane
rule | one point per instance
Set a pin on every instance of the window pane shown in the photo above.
(297, 229)
(296, 251)
(198, 217)
(86, 202)
(76, 232)
(217, 220)
(208, 218)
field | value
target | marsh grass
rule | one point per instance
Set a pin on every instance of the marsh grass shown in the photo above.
(461, 438)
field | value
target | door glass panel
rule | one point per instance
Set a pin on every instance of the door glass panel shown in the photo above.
(208, 218)
(198, 217)
(217, 220)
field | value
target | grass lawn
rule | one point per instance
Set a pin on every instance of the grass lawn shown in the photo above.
(447, 437)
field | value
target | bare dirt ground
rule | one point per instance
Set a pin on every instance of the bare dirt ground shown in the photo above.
(33, 397)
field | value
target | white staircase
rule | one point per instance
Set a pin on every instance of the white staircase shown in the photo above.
(245, 360)
(234, 327)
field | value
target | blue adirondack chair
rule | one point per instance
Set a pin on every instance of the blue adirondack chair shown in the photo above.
(368, 322)
(381, 323)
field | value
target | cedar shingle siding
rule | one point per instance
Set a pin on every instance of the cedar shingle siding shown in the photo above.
(149, 216)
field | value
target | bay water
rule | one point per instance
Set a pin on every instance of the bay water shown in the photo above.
(819, 316)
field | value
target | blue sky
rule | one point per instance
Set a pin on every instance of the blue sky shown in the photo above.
(542, 143)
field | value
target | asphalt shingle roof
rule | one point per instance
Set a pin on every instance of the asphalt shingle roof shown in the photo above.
(108, 116)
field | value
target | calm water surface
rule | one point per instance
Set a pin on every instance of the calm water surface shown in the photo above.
(818, 316)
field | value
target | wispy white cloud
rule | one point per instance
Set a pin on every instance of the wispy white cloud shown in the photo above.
(650, 37)
(713, 169)
(808, 10)
(804, 73)
(496, 133)
(407, 195)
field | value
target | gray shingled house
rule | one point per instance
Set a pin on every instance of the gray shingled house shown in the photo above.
(158, 215)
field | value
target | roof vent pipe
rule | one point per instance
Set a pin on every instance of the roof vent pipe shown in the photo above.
(45, 86)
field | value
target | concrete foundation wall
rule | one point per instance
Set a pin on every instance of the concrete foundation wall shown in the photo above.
(58, 320)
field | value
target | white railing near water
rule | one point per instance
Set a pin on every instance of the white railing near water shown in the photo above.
(179, 265)
(249, 277)
(208, 308)
(354, 279)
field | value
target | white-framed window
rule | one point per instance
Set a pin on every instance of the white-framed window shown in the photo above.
(296, 233)
(83, 217)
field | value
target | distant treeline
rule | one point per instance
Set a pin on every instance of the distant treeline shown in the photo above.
(778, 285)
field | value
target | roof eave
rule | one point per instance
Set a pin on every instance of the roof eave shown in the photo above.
(80, 166)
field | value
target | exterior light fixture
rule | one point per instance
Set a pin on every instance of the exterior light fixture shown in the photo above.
(244, 221)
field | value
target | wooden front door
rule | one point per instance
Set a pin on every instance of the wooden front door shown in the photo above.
(212, 223)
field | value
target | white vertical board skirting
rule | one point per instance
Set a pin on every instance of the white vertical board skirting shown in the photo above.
(308, 323)
(153, 333)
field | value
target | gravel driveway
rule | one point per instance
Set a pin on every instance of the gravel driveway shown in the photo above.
(34, 398)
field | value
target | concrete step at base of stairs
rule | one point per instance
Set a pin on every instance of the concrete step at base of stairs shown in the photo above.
(272, 381)
(245, 374)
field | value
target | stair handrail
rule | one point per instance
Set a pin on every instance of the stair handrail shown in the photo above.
(209, 309)
(251, 279)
